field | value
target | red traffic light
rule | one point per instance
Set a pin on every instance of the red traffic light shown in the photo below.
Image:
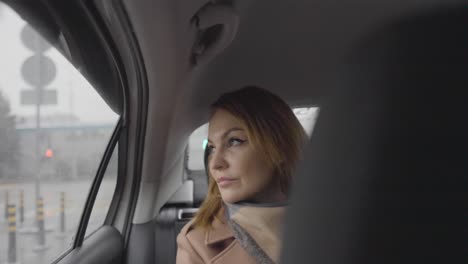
(49, 153)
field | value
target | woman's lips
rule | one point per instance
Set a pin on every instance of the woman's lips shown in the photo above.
(225, 182)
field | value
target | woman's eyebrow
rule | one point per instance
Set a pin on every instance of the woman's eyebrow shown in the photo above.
(227, 132)
(231, 130)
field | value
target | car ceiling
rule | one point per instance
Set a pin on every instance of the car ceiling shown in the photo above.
(286, 47)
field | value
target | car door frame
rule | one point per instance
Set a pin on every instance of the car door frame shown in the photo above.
(90, 40)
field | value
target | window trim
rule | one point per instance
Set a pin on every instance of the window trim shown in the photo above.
(121, 170)
(90, 200)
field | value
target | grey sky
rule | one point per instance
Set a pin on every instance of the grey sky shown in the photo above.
(75, 94)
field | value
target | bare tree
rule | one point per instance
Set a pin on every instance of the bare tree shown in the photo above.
(8, 140)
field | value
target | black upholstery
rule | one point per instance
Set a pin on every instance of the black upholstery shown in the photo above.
(106, 245)
(167, 226)
(173, 217)
(165, 234)
(160, 247)
(385, 177)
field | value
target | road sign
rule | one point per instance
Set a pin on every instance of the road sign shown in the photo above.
(33, 41)
(38, 70)
(29, 97)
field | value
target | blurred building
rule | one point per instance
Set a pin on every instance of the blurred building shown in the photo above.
(68, 148)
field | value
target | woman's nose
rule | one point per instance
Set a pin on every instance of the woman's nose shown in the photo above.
(218, 161)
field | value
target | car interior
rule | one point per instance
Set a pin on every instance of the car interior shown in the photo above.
(384, 174)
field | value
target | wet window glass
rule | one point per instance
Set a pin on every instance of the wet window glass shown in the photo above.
(54, 128)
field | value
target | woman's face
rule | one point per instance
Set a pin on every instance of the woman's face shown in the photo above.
(236, 166)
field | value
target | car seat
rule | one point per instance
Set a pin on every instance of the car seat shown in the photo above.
(384, 178)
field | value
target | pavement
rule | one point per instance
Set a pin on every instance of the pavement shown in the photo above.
(28, 249)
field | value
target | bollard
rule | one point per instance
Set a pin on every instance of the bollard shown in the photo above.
(11, 234)
(21, 208)
(62, 212)
(40, 225)
(7, 198)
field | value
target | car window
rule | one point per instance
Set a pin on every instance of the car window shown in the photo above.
(50, 149)
(198, 139)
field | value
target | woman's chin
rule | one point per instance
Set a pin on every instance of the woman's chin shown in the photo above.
(231, 198)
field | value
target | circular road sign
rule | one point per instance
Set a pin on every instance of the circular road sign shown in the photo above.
(38, 70)
(32, 40)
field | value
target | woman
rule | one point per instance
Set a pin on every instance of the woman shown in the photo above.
(254, 143)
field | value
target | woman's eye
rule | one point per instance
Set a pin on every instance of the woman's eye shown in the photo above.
(235, 141)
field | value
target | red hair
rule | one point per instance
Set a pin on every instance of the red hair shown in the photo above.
(272, 128)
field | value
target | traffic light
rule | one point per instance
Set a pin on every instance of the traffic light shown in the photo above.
(49, 153)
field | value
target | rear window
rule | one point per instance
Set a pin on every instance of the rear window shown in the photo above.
(198, 139)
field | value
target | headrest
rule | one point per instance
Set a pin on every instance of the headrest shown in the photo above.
(385, 174)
